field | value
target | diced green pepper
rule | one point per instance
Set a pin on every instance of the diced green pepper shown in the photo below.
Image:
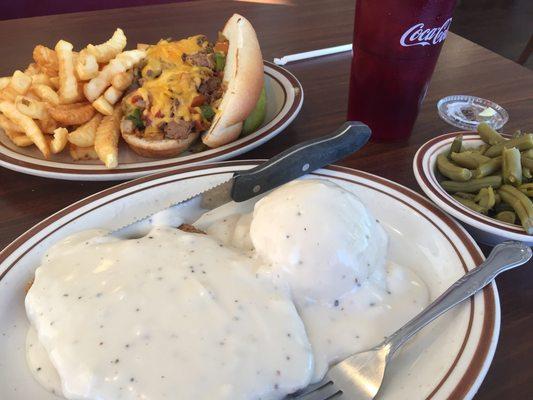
(207, 112)
(220, 61)
(136, 118)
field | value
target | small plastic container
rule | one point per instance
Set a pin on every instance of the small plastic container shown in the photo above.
(467, 112)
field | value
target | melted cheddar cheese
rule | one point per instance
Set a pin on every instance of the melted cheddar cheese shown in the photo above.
(170, 83)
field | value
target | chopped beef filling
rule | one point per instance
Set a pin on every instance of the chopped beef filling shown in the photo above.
(211, 88)
(150, 117)
(201, 59)
(190, 228)
(179, 129)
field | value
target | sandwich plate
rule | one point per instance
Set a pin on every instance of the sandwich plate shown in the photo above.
(284, 101)
(447, 360)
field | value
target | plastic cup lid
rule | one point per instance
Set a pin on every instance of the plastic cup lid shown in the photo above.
(468, 112)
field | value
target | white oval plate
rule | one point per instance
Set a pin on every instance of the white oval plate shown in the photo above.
(448, 360)
(284, 101)
(486, 230)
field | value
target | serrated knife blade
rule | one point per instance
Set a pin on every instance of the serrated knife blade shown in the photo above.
(292, 163)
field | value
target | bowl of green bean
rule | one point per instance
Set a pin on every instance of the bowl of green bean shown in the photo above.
(484, 179)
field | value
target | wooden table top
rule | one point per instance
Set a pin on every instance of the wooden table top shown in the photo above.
(463, 68)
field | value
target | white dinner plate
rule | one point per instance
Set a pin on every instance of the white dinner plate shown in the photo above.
(447, 360)
(284, 100)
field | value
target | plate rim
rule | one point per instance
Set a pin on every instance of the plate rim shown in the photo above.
(286, 80)
(426, 179)
(470, 379)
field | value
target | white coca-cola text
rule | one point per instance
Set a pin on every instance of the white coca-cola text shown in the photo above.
(418, 36)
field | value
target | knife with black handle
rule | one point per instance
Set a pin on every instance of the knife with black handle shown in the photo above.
(290, 164)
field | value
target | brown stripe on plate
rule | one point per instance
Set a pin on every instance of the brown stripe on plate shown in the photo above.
(298, 95)
(474, 369)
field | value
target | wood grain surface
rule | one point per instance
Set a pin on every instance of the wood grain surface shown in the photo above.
(463, 68)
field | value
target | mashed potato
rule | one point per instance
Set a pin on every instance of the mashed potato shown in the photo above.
(319, 238)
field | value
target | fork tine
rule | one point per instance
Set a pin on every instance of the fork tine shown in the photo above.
(324, 392)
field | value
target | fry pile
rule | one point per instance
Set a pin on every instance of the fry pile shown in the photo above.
(70, 98)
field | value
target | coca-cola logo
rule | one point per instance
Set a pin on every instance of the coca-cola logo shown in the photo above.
(418, 36)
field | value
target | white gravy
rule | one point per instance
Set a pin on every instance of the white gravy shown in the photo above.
(176, 315)
(359, 319)
(171, 315)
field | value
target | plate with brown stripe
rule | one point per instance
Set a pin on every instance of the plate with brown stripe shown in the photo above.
(284, 94)
(447, 360)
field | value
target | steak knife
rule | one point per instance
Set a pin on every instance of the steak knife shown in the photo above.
(288, 165)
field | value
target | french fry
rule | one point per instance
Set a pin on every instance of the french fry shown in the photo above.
(7, 125)
(86, 66)
(45, 93)
(68, 86)
(82, 153)
(142, 46)
(8, 94)
(112, 95)
(20, 82)
(4, 81)
(106, 140)
(18, 138)
(84, 135)
(72, 114)
(32, 69)
(59, 141)
(32, 108)
(41, 79)
(54, 82)
(109, 50)
(122, 62)
(30, 95)
(122, 81)
(28, 125)
(48, 124)
(46, 59)
(103, 106)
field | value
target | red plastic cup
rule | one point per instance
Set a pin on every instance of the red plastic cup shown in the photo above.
(396, 46)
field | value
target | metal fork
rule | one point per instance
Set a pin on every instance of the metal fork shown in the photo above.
(359, 377)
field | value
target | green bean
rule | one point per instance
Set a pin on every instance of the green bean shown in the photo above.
(489, 135)
(451, 170)
(518, 133)
(527, 189)
(528, 153)
(488, 168)
(472, 186)
(471, 204)
(522, 143)
(456, 146)
(464, 160)
(520, 209)
(480, 158)
(526, 162)
(485, 198)
(481, 149)
(506, 216)
(469, 159)
(468, 196)
(512, 166)
(497, 199)
(526, 202)
(526, 172)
